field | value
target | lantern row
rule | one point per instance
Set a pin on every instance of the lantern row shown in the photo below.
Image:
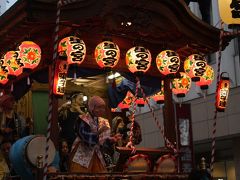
(26, 58)
(107, 55)
(138, 61)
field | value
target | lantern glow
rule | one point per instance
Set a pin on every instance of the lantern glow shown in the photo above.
(222, 94)
(229, 11)
(159, 97)
(207, 78)
(140, 102)
(107, 54)
(60, 77)
(14, 64)
(195, 66)
(138, 59)
(168, 62)
(180, 86)
(73, 49)
(30, 54)
(3, 72)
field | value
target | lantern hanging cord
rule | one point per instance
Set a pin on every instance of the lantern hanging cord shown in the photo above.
(168, 143)
(215, 113)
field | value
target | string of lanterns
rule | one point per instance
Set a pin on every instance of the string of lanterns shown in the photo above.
(72, 50)
(26, 58)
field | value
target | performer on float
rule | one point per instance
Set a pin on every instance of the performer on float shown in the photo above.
(86, 155)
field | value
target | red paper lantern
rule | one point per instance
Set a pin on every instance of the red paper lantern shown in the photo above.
(126, 103)
(30, 54)
(3, 72)
(207, 78)
(168, 62)
(180, 86)
(73, 49)
(107, 54)
(159, 97)
(114, 109)
(195, 66)
(140, 102)
(60, 77)
(138, 59)
(14, 64)
(222, 93)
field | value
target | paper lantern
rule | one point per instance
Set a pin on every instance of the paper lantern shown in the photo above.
(60, 77)
(229, 11)
(107, 54)
(138, 59)
(3, 72)
(159, 97)
(30, 55)
(180, 86)
(207, 78)
(14, 64)
(168, 62)
(140, 102)
(73, 49)
(222, 93)
(195, 66)
(114, 109)
(127, 101)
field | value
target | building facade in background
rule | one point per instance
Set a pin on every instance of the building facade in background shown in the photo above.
(5, 5)
(227, 166)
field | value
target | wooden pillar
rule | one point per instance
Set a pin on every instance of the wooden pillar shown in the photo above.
(169, 113)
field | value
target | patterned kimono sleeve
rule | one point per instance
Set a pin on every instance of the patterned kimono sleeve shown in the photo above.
(85, 133)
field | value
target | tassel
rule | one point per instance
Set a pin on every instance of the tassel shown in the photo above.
(204, 93)
(75, 75)
(28, 81)
(107, 81)
(12, 87)
(180, 102)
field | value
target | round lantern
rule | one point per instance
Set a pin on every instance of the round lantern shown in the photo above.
(73, 49)
(195, 66)
(14, 64)
(30, 55)
(138, 59)
(168, 62)
(107, 54)
(159, 97)
(207, 78)
(126, 103)
(180, 86)
(3, 72)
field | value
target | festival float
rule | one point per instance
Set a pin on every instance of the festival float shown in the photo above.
(88, 38)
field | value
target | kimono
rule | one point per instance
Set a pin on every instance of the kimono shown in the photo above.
(86, 155)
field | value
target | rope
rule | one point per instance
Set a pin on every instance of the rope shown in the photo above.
(130, 143)
(215, 113)
(60, 3)
(50, 103)
(168, 143)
